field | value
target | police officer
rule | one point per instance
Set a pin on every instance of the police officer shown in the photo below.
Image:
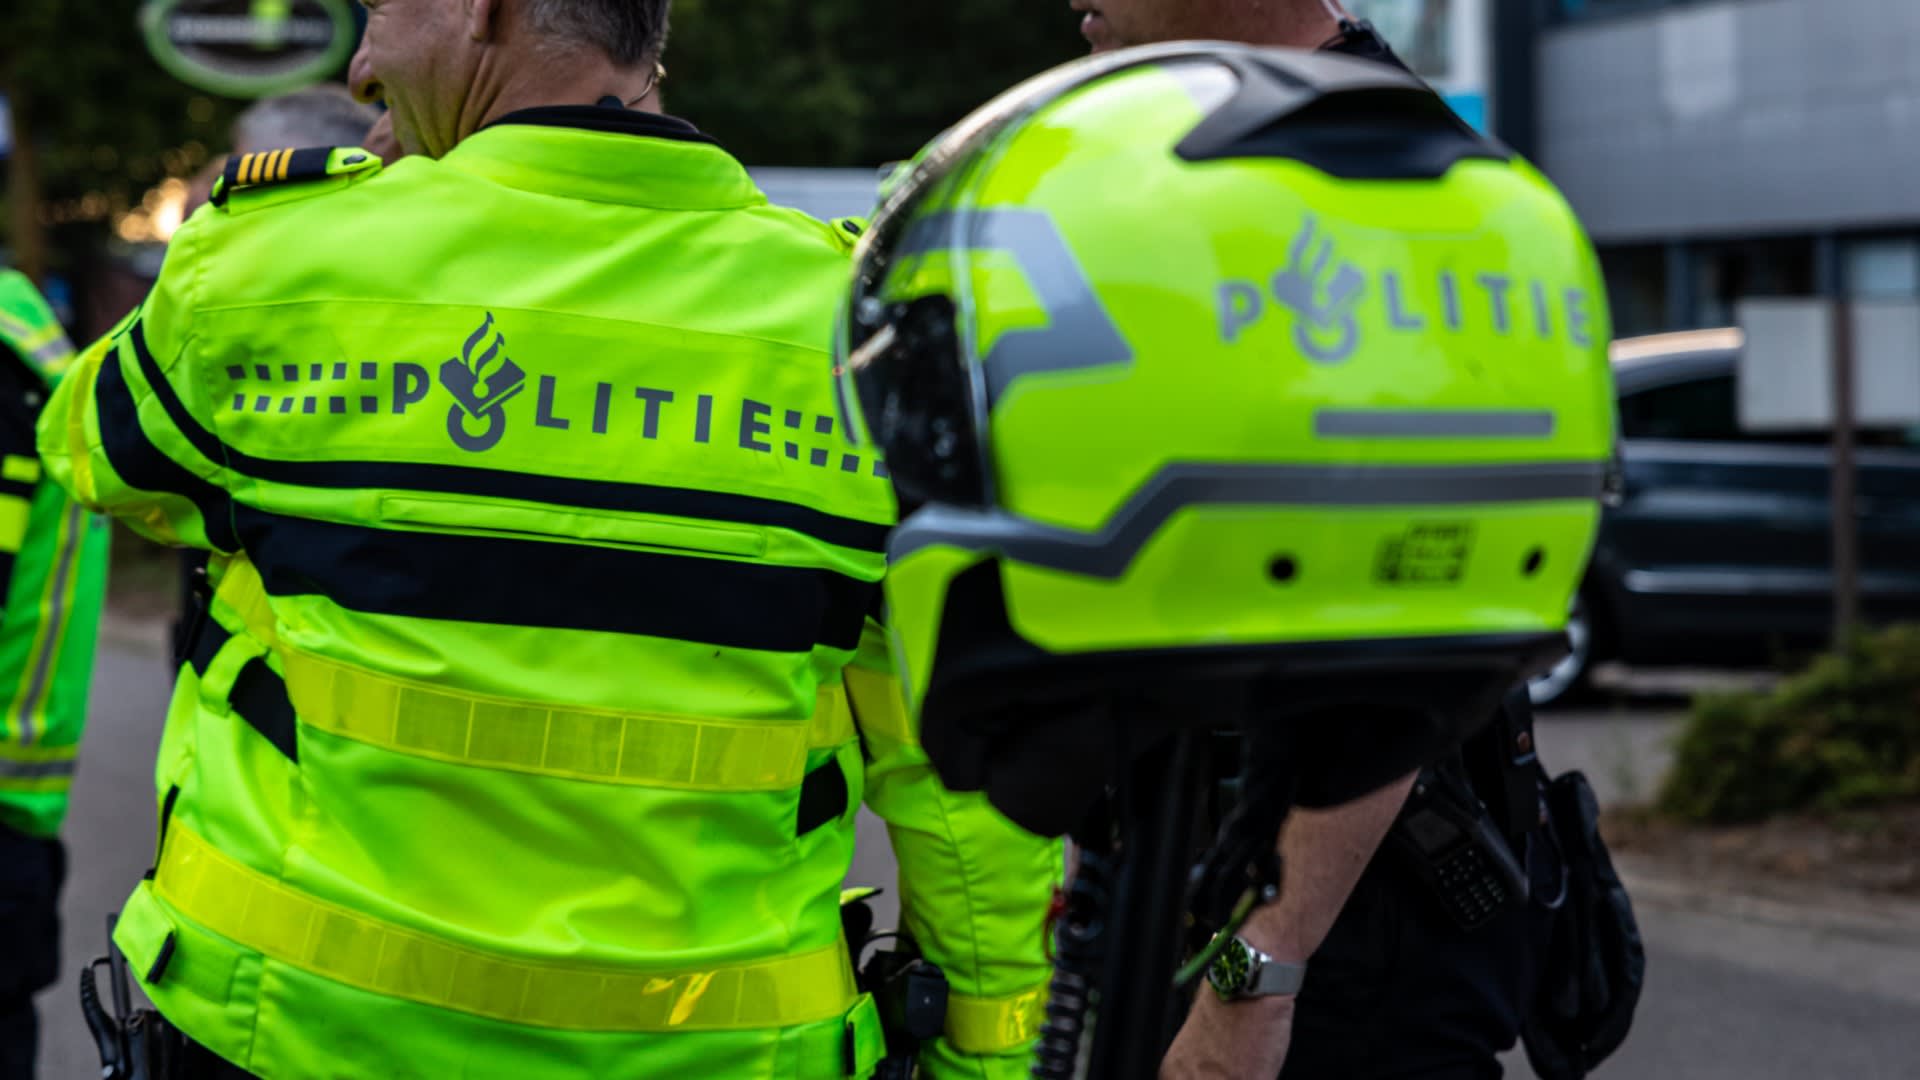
(1395, 988)
(324, 115)
(539, 685)
(53, 568)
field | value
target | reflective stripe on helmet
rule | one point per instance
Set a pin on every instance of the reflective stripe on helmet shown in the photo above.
(1108, 552)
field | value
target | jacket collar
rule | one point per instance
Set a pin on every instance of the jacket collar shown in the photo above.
(610, 155)
(610, 116)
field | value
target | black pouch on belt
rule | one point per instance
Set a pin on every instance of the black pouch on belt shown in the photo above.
(910, 992)
(1592, 975)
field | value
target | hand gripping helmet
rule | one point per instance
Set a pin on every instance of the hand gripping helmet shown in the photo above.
(1201, 364)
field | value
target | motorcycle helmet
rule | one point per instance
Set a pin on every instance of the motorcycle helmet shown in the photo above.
(1203, 365)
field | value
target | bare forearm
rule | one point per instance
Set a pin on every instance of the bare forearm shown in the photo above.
(1323, 853)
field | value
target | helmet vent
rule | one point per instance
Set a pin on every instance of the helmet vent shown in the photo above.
(1536, 559)
(1380, 125)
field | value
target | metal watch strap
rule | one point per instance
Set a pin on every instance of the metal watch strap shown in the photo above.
(1274, 978)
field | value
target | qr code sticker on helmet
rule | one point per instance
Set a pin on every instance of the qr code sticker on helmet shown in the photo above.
(1432, 554)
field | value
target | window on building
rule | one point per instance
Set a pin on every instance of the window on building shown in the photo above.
(1583, 9)
(1883, 268)
(1725, 274)
(1637, 289)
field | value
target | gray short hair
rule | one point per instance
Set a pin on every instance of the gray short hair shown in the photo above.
(631, 32)
(324, 115)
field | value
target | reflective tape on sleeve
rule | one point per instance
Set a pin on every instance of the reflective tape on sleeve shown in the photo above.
(269, 917)
(880, 705)
(645, 749)
(995, 1025)
(14, 512)
(36, 769)
(19, 469)
(49, 348)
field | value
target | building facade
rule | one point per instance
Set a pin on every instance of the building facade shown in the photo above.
(1721, 149)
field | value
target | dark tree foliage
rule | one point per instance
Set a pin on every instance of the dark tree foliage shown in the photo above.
(852, 82)
(102, 121)
(779, 82)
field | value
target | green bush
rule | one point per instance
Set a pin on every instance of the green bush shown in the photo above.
(1843, 734)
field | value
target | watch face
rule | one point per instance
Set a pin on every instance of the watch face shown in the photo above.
(1232, 970)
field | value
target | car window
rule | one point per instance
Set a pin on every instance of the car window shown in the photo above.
(1702, 409)
(1892, 438)
(1706, 410)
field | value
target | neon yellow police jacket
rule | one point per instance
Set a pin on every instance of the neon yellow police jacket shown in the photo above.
(540, 685)
(53, 576)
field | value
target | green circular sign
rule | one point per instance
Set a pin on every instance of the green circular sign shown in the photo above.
(249, 48)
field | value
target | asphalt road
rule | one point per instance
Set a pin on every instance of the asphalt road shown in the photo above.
(1731, 994)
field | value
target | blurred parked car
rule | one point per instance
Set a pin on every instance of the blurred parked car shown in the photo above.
(1720, 551)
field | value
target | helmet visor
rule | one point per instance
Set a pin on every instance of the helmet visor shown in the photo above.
(917, 397)
(908, 378)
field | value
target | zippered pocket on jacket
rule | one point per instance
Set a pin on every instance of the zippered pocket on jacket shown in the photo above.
(474, 516)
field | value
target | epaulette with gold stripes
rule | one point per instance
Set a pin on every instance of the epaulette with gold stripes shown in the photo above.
(273, 168)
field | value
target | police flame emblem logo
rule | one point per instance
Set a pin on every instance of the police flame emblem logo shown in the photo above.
(482, 381)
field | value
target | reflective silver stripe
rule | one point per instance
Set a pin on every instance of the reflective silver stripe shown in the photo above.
(1434, 423)
(1110, 551)
(35, 770)
(56, 617)
(53, 350)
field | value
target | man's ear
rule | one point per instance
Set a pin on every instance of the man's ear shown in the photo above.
(483, 19)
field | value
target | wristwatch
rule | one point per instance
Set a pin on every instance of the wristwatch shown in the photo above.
(1242, 971)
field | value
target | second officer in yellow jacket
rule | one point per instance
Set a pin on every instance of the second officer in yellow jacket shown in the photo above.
(540, 684)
